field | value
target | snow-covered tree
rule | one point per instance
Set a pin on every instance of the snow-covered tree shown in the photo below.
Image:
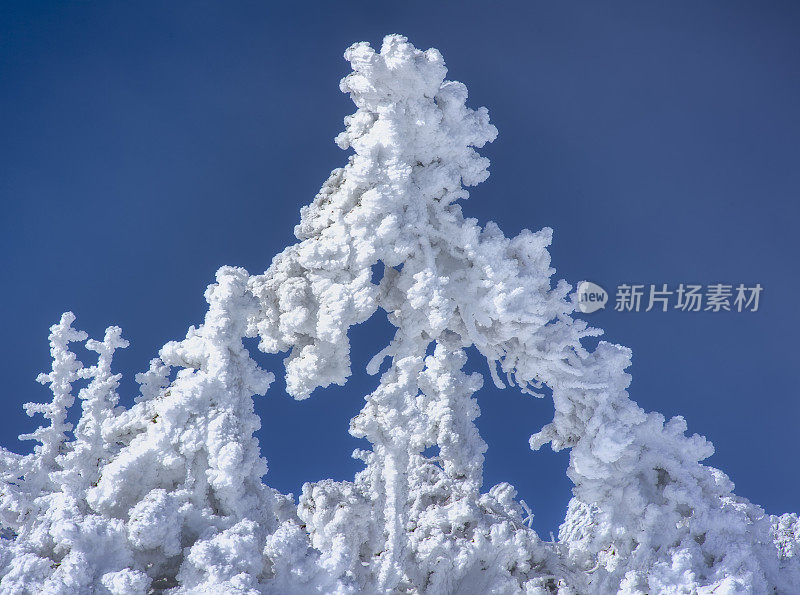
(169, 494)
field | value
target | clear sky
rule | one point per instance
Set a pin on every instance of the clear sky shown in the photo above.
(143, 145)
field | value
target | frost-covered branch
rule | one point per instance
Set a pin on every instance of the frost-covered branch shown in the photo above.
(169, 494)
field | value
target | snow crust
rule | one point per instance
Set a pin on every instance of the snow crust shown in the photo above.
(169, 494)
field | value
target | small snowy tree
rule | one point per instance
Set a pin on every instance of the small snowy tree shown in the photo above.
(169, 494)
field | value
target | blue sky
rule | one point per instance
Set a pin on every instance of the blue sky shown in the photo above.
(144, 145)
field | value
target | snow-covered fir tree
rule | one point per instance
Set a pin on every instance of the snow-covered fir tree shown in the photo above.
(172, 494)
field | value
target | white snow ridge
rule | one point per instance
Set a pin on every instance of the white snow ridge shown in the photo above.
(168, 496)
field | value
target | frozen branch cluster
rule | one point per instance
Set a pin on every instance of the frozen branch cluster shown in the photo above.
(169, 494)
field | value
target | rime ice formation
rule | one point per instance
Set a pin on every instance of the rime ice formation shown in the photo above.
(168, 495)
